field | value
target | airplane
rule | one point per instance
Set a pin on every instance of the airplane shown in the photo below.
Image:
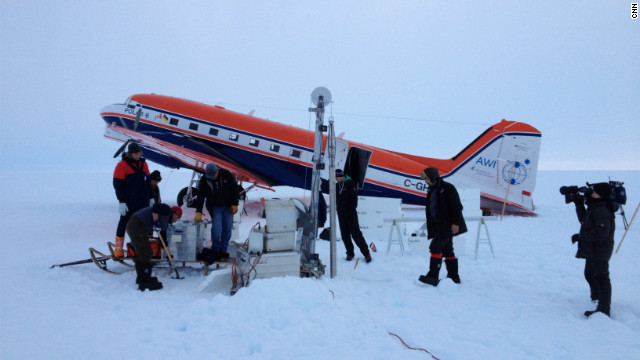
(178, 133)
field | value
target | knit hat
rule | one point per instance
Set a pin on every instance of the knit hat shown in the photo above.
(339, 173)
(211, 170)
(134, 148)
(432, 173)
(603, 189)
(177, 210)
(155, 175)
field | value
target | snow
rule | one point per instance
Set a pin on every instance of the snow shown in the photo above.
(525, 303)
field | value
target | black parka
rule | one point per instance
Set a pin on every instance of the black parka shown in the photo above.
(596, 229)
(346, 196)
(448, 211)
(225, 191)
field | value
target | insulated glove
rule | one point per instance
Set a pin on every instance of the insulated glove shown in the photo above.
(198, 217)
(156, 226)
(151, 202)
(123, 209)
(234, 209)
(575, 238)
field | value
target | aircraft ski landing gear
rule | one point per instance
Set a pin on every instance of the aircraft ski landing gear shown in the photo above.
(185, 197)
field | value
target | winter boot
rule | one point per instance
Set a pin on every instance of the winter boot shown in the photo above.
(452, 269)
(349, 257)
(591, 312)
(367, 258)
(146, 280)
(434, 271)
(119, 248)
(140, 274)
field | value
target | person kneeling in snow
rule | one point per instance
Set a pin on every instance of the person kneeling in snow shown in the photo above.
(142, 223)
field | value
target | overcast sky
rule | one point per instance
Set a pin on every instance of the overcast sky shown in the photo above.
(422, 77)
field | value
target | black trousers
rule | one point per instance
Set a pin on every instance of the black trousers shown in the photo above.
(124, 220)
(140, 239)
(350, 228)
(596, 272)
(443, 246)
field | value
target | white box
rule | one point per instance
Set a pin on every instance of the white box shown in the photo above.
(470, 199)
(418, 244)
(285, 263)
(256, 241)
(283, 241)
(282, 216)
(372, 211)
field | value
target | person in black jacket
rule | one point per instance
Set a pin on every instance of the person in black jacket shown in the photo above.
(142, 223)
(346, 205)
(444, 221)
(219, 192)
(133, 190)
(155, 179)
(595, 243)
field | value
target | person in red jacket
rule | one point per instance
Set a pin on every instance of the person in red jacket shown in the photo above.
(133, 190)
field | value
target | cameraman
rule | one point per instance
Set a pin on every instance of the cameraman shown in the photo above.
(595, 242)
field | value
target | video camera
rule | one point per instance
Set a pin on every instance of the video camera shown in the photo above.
(577, 194)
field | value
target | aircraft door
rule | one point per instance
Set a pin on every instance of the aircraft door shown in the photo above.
(356, 165)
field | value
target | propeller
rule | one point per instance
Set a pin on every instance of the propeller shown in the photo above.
(121, 149)
(135, 124)
(135, 127)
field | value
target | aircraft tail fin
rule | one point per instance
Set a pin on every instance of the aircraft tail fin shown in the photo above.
(503, 163)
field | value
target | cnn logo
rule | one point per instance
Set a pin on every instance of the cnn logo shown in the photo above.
(634, 10)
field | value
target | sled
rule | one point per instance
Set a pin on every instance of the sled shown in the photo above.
(100, 259)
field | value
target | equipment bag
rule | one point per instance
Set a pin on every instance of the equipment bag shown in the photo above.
(156, 249)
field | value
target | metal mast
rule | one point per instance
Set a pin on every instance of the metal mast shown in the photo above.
(320, 96)
(331, 142)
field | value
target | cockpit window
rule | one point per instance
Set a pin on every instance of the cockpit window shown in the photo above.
(130, 104)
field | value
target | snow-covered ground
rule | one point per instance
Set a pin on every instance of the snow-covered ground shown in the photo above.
(526, 303)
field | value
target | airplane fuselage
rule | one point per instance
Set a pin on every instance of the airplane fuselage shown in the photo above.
(273, 154)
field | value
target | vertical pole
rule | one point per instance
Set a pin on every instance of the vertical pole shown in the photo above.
(331, 141)
(625, 232)
(506, 196)
(317, 168)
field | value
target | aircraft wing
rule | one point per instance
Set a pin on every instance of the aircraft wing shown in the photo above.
(191, 159)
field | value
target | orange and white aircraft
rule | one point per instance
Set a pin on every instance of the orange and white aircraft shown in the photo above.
(502, 162)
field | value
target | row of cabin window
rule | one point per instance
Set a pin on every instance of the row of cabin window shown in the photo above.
(234, 137)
